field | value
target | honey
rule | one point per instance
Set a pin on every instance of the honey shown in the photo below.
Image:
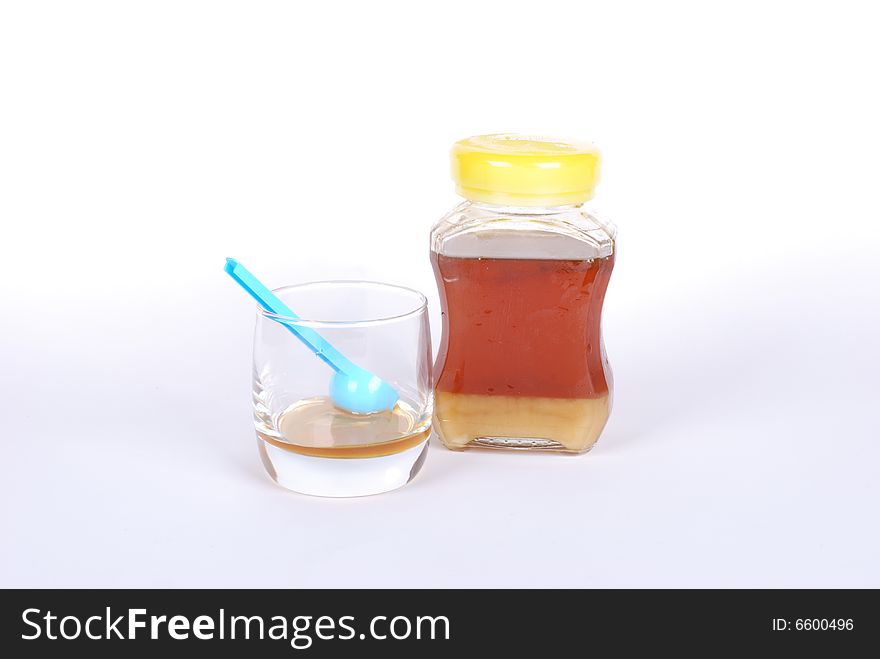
(316, 427)
(522, 363)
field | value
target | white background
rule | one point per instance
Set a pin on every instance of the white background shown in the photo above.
(142, 143)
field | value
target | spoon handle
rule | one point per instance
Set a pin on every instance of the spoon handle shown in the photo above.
(270, 302)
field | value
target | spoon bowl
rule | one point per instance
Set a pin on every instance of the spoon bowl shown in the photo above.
(361, 392)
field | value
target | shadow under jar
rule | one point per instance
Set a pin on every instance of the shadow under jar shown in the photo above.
(308, 444)
(522, 269)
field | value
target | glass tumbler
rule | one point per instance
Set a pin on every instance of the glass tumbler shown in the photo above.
(307, 443)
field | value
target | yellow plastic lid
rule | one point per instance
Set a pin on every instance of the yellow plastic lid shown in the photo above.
(523, 170)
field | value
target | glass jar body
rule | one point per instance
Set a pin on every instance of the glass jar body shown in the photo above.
(522, 363)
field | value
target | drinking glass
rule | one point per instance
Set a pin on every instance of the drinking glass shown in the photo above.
(308, 444)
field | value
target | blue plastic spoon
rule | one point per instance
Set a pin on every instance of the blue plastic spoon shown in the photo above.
(352, 388)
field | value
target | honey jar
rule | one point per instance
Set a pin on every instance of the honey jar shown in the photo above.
(522, 269)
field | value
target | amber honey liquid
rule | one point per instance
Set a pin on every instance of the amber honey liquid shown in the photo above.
(521, 363)
(316, 427)
(315, 448)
